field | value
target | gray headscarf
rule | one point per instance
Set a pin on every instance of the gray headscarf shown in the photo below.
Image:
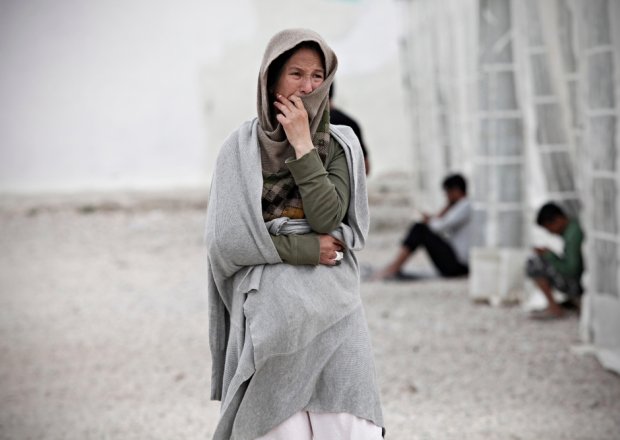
(275, 148)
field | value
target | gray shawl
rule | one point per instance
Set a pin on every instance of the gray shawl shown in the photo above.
(298, 332)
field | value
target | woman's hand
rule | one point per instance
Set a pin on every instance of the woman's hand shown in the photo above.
(294, 120)
(329, 246)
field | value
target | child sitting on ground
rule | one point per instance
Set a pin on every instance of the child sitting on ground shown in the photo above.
(562, 272)
(445, 236)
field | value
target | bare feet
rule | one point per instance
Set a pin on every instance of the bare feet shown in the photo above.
(384, 274)
(548, 314)
(394, 268)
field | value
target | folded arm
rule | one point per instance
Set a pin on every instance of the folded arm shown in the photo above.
(324, 191)
(325, 195)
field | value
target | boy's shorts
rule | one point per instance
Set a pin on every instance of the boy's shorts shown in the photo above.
(538, 267)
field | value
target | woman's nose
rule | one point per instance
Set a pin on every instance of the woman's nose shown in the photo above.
(306, 85)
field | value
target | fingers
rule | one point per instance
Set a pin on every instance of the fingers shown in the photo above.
(329, 261)
(333, 245)
(290, 104)
(291, 101)
(284, 104)
(281, 118)
(332, 250)
(338, 246)
(334, 242)
(293, 117)
(297, 102)
(336, 258)
(283, 109)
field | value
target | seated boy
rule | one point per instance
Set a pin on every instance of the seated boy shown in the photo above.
(446, 236)
(562, 272)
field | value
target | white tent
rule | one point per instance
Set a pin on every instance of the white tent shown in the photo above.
(522, 97)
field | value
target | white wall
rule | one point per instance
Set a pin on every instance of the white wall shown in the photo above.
(140, 94)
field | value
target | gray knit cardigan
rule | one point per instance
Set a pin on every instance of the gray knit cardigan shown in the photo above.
(283, 338)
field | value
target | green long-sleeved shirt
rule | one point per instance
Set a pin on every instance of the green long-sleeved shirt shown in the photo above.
(325, 193)
(570, 263)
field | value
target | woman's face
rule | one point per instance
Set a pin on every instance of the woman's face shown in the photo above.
(301, 74)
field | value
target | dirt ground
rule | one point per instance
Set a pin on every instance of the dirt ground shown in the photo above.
(103, 335)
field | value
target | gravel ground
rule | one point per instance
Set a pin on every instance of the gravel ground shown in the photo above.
(103, 335)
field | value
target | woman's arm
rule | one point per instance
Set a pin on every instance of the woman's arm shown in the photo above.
(307, 249)
(298, 249)
(322, 190)
(325, 192)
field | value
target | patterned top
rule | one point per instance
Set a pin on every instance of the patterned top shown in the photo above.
(281, 196)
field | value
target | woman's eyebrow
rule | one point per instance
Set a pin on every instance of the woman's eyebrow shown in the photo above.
(301, 68)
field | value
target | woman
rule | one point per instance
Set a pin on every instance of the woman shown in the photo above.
(288, 208)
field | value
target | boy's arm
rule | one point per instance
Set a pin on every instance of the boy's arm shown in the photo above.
(457, 215)
(569, 263)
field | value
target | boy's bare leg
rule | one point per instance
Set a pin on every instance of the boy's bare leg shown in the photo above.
(553, 307)
(395, 266)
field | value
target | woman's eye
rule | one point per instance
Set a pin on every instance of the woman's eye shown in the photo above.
(296, 74)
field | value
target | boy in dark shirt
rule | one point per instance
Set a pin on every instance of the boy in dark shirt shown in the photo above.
(562, 272)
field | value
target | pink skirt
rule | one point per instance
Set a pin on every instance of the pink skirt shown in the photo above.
(324, 426)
